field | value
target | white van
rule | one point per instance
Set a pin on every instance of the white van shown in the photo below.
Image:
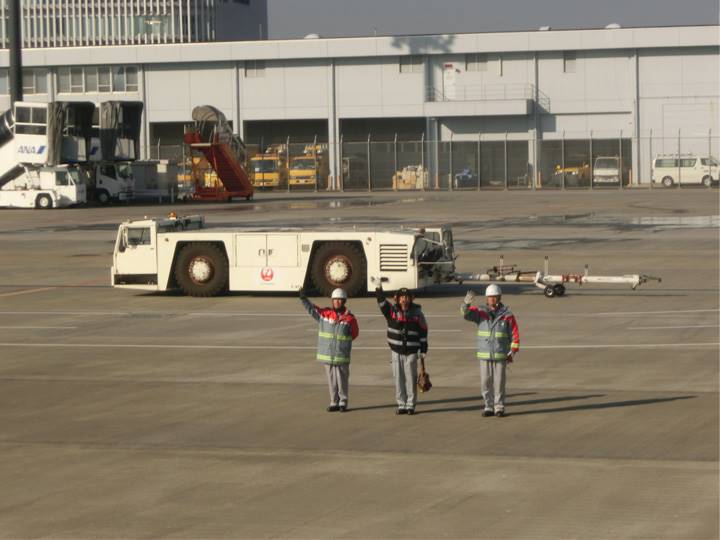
(674, 169)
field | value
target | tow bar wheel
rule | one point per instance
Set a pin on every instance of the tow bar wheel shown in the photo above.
(554, 290)
(201, 270)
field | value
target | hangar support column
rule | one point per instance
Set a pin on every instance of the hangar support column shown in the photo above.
(635, 141)
(333, 130)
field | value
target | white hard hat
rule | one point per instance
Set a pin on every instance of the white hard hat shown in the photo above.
(493, 290)
(339, 293)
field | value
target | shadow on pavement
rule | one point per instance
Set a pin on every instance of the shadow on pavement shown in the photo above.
(511, 403)
(613, 404)
(438, 401)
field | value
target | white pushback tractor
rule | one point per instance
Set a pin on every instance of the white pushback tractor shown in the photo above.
(170, 253)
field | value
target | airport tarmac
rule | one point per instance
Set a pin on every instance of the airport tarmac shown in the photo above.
(126, 414)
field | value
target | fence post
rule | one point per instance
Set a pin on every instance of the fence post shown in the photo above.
(340, 174)
(679, 154)
(287, 163)
(650, 153)
(621, 160)
(479, 160)
(450, 176)
(505, 159)
(709, 155)
(315, 163)
(395, 161)
(368, 164)
(422, 157)
(592, 168)
(562, 159)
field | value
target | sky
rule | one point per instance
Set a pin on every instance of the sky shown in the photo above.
(338, 18)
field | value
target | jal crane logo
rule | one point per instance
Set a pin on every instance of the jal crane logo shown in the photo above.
(267, 274)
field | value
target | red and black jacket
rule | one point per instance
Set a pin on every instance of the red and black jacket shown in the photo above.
(407, 330)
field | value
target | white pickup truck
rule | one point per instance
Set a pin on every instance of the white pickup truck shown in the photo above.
(163, 254)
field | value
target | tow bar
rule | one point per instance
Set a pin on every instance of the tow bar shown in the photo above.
(552, 284)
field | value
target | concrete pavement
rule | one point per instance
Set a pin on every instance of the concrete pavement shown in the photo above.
(132, 415)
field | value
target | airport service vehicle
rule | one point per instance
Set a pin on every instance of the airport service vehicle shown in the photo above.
(607, 171)
(576, 176)
(310, 169)
(35, 140)
(170, 253)
(224, 151)
(269, 170)
(685, 169)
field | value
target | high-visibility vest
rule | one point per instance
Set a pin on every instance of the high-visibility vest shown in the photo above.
(497, 333)
(335, 333)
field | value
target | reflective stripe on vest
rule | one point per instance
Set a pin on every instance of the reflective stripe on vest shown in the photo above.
(339, 337)
(333, 359)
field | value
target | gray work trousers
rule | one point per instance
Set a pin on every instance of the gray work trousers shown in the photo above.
(338, 378)
(405, 373)
(492, 382)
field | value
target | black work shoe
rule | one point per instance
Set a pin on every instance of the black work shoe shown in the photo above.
(499, 414)
(401, 411)
(487, 413)
(333, 408)
(343, 408)
(410, 411)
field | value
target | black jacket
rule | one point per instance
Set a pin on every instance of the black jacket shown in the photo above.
(407, 330)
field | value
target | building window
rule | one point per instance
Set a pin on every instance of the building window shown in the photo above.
(104, 79)
(500, 66)
(30, 120)
(411, 64)
(569, 61)
(34, 81)
(476, 62)
(91, 80)
(255, 68)
(131, 79)
(77, 80)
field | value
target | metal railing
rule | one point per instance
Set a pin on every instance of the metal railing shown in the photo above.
(487, 92)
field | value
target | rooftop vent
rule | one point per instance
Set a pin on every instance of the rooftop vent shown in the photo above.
(613, 25)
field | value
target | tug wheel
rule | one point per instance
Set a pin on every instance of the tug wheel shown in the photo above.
(202, 270)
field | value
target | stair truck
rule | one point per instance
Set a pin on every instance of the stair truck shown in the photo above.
(37, 141)
(212, 136)
(115, 145)
(181, 253)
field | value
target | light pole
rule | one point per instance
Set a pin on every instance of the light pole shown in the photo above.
(15, 45)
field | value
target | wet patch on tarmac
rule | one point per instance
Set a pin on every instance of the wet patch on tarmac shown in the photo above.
(618, 223)
(534, 243)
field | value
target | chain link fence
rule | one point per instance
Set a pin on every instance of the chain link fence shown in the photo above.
(558, 161)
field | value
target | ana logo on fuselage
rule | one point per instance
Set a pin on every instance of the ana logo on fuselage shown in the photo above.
(26, 149)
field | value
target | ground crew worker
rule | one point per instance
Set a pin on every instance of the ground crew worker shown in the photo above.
(498, 341)
(407, 337)
(337, 328)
